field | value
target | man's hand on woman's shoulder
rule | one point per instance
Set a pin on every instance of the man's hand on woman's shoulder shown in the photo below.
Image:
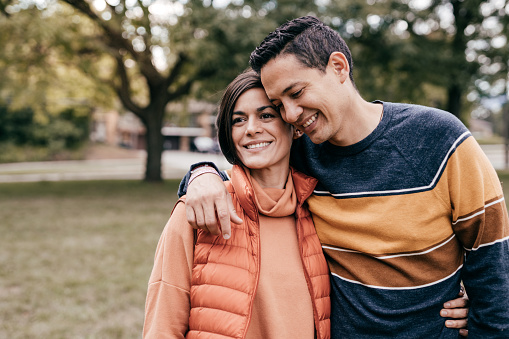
(209, 206)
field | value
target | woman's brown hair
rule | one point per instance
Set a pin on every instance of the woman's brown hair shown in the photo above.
(243, 82)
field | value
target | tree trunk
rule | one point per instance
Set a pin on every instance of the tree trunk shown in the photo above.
(454, 99)
(154, 147)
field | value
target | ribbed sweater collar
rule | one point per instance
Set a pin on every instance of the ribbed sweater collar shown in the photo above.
(298, 188)
(274, 202)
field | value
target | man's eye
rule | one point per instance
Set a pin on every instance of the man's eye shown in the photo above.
(297, 94)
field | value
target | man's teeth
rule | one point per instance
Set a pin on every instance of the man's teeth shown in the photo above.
(261, 144)
(310, 121)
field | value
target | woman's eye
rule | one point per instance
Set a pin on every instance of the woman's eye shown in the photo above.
(267, 115)
(237, 120)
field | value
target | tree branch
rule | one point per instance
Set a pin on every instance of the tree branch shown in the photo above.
(181, 90)
(115, 40)
(177, 68)
(123, 90)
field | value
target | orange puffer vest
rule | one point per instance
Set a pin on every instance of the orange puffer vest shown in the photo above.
(225, 272)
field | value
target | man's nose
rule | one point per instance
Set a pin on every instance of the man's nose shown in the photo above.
(291, 112)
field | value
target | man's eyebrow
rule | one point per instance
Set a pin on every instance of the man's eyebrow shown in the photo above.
(286, 90)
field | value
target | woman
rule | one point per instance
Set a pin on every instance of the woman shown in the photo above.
(270, 279)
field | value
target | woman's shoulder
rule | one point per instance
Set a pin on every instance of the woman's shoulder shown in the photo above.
(177, 225)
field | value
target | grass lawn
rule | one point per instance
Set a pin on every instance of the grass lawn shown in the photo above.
(75, 257)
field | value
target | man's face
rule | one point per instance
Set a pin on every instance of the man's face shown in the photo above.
(307, 98)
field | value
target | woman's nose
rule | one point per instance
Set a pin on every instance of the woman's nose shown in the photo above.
(253, 126)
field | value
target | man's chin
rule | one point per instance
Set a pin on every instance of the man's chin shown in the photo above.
(316, 139)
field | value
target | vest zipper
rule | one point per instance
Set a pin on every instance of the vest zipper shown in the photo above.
(306, 273)
(257, 279)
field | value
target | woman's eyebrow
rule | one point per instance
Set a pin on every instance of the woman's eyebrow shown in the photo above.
(259, 109)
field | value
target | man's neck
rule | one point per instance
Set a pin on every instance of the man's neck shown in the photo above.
(361, 120)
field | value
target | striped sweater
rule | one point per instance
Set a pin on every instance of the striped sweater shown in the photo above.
(405, 215)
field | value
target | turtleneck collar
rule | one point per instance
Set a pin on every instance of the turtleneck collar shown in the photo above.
(274, 202)
(297, 189)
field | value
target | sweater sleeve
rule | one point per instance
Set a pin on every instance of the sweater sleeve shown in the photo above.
(480, 222)
(185, 180)
(167, 305)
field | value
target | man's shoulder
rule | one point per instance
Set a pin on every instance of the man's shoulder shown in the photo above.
(422, 117)
(415, 125)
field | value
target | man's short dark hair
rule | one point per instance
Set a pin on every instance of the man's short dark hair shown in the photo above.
(308, 39)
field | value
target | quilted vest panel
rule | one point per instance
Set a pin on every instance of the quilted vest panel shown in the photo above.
(225, 272)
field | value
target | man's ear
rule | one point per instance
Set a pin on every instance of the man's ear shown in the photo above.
(339, 65)
(297, 134)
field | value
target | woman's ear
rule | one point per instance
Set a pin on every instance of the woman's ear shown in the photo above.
(297, 134)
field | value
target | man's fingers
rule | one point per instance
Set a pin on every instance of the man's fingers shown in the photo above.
(223, 215)
(457, 310)
(455, 303)
(233, 213)
(191, 218)
(211, 225)
(464, 332)
(209, 205)
(462, 323)
(456, 313)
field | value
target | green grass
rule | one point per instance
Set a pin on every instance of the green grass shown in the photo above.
(75, 257)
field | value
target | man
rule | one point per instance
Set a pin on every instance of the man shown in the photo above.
(407, 204)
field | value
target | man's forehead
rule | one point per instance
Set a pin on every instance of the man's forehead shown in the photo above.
(277, 84)
(283, 71)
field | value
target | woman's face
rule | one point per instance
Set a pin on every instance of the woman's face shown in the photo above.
(262, 139)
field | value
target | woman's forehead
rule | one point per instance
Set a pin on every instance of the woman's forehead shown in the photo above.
(252, 99)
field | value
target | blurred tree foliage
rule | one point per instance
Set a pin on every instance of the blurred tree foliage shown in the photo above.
(430, 52)
(153, 52)
(20, 130)
(20, 127)
(45, 99)
(38, 67)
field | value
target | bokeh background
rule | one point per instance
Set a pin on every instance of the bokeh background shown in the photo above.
(105, 104)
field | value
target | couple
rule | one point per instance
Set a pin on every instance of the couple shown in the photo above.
(403, 193)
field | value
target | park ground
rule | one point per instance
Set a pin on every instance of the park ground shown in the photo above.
(75, 256)
(78, 242)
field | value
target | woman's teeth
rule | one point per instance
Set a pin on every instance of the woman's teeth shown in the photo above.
(261, 144)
